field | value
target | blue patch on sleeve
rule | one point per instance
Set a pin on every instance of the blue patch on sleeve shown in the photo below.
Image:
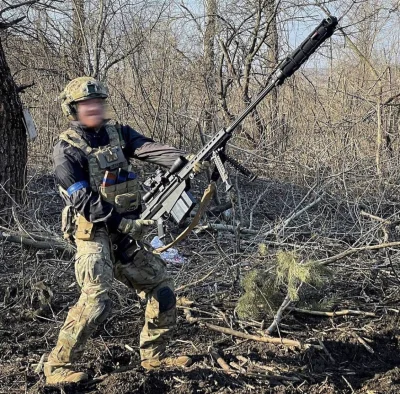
(77, 186)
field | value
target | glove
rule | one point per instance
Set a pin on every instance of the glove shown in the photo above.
(199, 166)
(136, 228)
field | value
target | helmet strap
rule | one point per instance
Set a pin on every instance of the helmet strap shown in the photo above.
(73, 109)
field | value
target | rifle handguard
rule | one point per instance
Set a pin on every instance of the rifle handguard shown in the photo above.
(293, 62)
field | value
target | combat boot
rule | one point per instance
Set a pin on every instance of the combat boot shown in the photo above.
(62, 375)
(168, 362)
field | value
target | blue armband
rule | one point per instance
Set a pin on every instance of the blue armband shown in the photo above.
(77, 186)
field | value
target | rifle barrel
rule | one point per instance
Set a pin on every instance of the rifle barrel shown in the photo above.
(292, 63)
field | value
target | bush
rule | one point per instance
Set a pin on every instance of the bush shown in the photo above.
(262, 295)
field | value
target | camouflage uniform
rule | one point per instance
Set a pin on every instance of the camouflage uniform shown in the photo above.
(79, 159)
(95, 269)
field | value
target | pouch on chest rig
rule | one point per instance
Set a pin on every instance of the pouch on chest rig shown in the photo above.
(110, 157)
(124, 196)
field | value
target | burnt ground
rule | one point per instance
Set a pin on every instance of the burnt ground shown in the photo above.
(361, 352)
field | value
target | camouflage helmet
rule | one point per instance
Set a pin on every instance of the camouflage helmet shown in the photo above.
(80, 89)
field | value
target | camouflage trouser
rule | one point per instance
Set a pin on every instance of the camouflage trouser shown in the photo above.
(95, 270)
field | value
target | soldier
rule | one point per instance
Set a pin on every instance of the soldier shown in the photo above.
(92, 163)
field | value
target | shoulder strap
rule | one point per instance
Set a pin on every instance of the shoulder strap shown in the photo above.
(115, 135)
(74, 139)
(204, 203)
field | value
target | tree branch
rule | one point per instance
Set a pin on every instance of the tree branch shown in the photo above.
(6, 25)
(15, 6)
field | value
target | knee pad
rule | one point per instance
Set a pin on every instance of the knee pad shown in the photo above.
(101, 312)
(166, 299)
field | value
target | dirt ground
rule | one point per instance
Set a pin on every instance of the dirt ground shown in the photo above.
(348, 368)
(360, 354)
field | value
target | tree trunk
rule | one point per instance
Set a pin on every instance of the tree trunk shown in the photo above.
(78, 45)
(275, 133)
(210, 72)
(209, 63)
(13, 143)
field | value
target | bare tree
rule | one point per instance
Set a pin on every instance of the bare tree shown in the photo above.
(247, 34)
(78, 34)
(13, 144)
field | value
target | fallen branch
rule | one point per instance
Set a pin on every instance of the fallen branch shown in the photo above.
(343, 312)
(348, 252)
(229, 331)
(30, 235)
(278, 228)
(373, 217)
(276, 341)
(18, 239)
(125, 368)
(226, 227)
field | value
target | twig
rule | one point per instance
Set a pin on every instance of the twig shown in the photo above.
(129, 348)
(255, 205)
(362, 341)
(377, 218)
(326, 351)
(385, 224)
(218, 358)
(347, 382)
(39, 367)
(196, 282)
(237, 367)
(239, 199)
(278, 316)
(281, 226)
(392, 267)
(21, 88)
(244, 360)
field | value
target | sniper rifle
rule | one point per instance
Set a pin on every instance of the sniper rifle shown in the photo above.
(168, 194)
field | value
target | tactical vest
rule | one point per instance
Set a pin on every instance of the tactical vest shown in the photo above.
(125, 195)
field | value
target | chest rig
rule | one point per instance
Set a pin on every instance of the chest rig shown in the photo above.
(109, 161)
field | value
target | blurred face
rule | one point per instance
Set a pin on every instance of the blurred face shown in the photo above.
(91, 112)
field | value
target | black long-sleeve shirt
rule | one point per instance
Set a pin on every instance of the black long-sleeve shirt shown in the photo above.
(71, 168)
